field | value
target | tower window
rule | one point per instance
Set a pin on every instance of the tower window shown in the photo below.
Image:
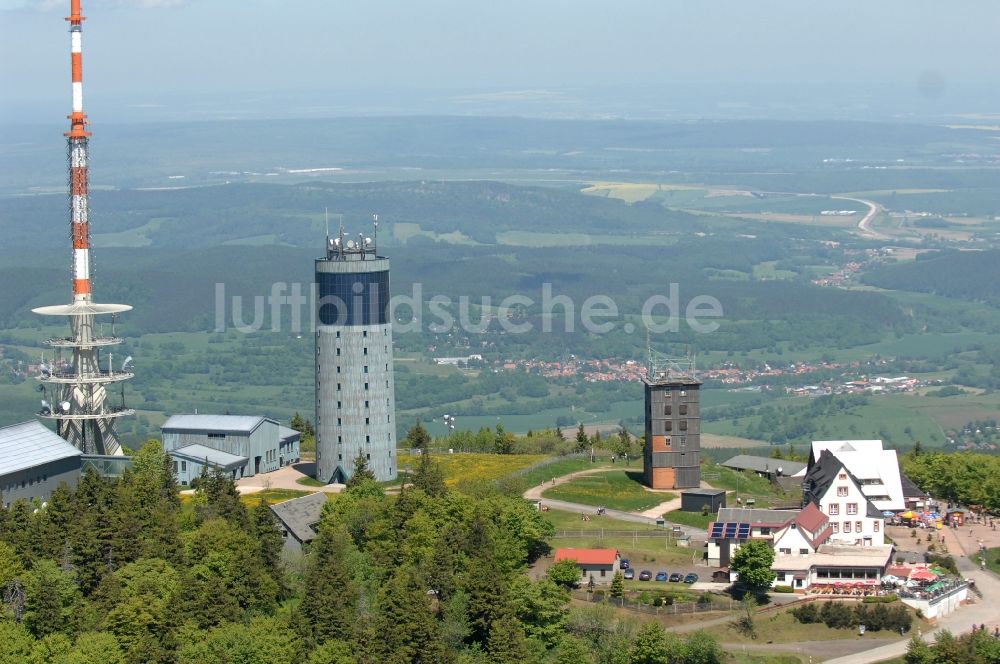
(367, 421)
(338, 387)
(366, 386)
(338, 404)
(338, 334)
(338, 352)
(683, 409)
(338, 421)
(667, 409)
(364, 333)
(369, 456)
(338, 368)
(366, 404)
(366, 350)
(366, 369)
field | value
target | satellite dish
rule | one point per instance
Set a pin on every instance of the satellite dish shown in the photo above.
(45, 404)
(65, 406)
(126, 363)
(368, 241)
(351, 244)
(780, 470)
(336, 241)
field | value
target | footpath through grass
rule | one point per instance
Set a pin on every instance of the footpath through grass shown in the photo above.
(557, 468)
(616, 489)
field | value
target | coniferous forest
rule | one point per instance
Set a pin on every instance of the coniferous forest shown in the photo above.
(127, 570)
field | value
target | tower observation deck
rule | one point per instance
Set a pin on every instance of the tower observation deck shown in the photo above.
(672, 454)
(355, 393)
(76, 389)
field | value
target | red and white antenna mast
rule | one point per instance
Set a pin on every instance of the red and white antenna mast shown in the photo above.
(76, 138)
(77, 390)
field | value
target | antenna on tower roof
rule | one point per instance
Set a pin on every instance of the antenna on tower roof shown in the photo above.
(375, 234)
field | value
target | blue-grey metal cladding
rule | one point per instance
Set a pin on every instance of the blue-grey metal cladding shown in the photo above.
(353, 298)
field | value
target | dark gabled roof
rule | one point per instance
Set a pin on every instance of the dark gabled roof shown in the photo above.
(821, 476)
(301, 514)
(910, 489)
(763, 464)
(756, 517)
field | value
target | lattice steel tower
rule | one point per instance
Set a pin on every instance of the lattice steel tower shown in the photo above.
(355, 393)
(76, 389)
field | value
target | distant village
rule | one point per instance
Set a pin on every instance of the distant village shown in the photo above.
(852, 378)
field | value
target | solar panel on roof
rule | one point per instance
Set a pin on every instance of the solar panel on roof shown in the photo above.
(731, 529)
(717, 529)
(744, 531)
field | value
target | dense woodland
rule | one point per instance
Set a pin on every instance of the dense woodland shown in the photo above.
(961, 477)
(123, 571)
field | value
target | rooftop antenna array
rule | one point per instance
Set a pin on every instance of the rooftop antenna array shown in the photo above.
(661, 368)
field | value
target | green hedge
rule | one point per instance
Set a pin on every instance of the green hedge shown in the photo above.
(782, 589)
(880, 599)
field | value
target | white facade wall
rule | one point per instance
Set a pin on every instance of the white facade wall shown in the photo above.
(836, 504)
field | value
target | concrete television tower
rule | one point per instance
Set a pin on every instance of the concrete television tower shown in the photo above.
(76, 389)
(355, 393)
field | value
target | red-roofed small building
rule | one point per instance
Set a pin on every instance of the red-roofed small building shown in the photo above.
(597, 564)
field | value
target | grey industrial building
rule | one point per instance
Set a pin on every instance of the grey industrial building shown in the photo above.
(241, 445)
(672, 454)
(355, 394)
(34, 460)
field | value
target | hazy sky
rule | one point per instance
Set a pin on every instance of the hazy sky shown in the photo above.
(148, 52)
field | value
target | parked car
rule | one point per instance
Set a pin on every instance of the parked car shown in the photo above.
(675, 577)
(645, 575)
(629, 574)
(623, 564)
(661, 576)
(691, 578)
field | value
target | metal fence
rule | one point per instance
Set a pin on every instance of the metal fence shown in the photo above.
(679, 608)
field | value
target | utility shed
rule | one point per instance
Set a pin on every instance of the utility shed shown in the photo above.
(694, 500)
(298, 519)
(34, 461)
(597, 564)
